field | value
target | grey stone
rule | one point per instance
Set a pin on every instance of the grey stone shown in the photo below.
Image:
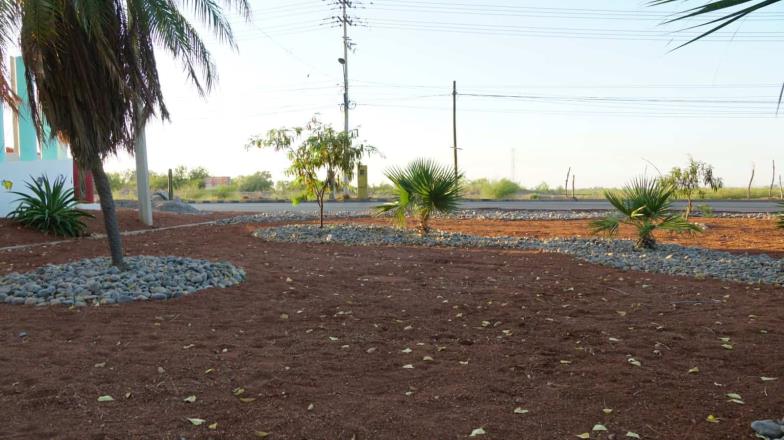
(86, 281)
(666, 258)
(768, 428)
(158, 296)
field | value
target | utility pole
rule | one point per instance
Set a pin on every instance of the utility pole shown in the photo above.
(345, 20)
(454, 125)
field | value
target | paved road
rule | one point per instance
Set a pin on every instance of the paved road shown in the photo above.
(538, 205)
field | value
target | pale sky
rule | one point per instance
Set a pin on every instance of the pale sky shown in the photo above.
(594, 87)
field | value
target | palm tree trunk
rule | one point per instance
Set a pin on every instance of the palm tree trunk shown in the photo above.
(688, 208)
(109, 214)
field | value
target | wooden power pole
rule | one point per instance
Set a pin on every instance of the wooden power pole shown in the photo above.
(454, 125)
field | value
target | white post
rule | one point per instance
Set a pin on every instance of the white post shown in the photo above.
(143, 179)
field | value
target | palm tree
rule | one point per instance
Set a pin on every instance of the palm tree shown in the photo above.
(92, 74)
(645, 204)
(423, 188)
(738, 10)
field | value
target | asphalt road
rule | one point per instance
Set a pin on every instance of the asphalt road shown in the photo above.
(538, 205)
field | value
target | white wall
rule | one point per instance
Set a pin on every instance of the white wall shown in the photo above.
(20, 172)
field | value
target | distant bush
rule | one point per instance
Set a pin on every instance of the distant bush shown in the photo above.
(501, 189)
(491, 189)
(380, 191)
(542, 188)
(224, 192)
(256, 182)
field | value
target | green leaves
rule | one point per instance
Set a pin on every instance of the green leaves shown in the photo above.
(50, 207)
(645, 204)
(321, 160)
(423, 188)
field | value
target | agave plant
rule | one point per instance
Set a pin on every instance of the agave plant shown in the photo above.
(422, 188)
(50, 207)
(645, 204)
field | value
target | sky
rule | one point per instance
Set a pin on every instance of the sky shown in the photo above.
(591, 85)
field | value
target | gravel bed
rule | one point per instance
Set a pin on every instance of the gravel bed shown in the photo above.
(667, 258)
(463, 214)
(288, 216)
(96, 281)
(520, 214)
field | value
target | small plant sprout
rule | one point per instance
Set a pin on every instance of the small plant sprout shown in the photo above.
(644, 204)
(422, 189)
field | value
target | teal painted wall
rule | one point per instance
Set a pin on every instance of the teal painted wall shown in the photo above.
(28, 144)
(49, 146)
(2, 132)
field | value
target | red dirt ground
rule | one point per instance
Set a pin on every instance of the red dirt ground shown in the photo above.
(12, 234)
(505, 329)
(729, 234)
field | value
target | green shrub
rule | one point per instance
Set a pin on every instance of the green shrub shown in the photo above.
(256, 182)
(500, 189)
(50, 207)
(645, 204)
(223, 192)
(705, 210)
(422, 188)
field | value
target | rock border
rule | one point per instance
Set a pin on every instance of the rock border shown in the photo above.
(96, 281)
(670, 259)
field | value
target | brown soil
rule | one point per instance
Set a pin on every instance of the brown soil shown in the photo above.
(729, 234)
(12, 234)
(505, 329)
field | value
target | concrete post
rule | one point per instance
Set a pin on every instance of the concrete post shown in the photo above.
(143, 179)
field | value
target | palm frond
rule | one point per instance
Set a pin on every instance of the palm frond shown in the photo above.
(423, 187)
(717, 6)
(608, 225)
(677, 223)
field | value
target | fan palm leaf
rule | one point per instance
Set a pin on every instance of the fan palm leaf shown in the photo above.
(422, 188)
(644, 204)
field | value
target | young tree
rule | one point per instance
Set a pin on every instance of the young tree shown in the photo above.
(92, 73)
(693, 179)
(321, 160)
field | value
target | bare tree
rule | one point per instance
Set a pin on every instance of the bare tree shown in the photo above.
(781, 189)
(772, 181)
(566, 185)
(748, 191)
(573, 196)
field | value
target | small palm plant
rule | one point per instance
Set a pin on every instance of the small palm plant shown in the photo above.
(645, 204)
(422, 188)
(50, 207)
